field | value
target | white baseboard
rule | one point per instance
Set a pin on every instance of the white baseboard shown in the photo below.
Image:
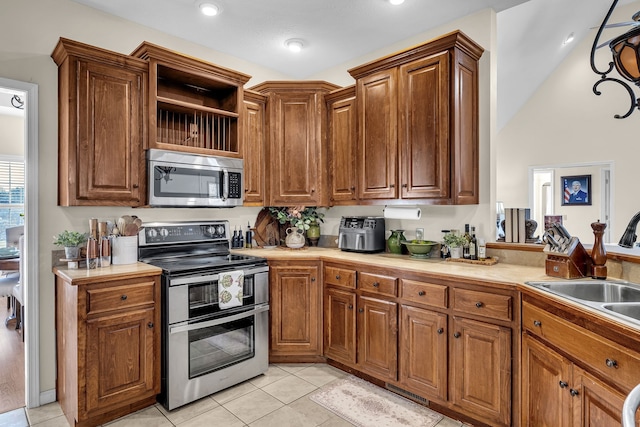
(47, 396)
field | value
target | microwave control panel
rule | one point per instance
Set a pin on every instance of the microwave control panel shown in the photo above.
(235, 184)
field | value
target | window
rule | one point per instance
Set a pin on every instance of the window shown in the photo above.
(11, 194)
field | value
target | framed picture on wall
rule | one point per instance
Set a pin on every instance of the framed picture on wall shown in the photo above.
(576, 190)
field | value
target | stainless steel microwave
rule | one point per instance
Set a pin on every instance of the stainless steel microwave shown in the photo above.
(179, 179)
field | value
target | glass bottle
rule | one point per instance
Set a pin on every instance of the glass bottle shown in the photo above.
(393, 242)
(473, 245)
(467, 240)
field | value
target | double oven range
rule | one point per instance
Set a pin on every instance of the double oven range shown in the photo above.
(206, 347)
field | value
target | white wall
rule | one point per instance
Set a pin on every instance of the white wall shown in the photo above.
(12, 135)
(565, 122)
(27, 58)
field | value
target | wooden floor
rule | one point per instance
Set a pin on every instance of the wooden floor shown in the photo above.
(11, 363)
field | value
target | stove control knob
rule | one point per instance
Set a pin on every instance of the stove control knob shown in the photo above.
(164, 232)
(152, 232)
(211, 230)
(220, 230)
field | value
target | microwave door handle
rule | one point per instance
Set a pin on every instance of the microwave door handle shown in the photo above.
(225, 184)
(219, 321)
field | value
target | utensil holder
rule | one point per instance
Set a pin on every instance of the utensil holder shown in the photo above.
(124, 250)
(573, 264)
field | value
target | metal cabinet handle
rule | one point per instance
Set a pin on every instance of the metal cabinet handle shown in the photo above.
(361, 310)
(440, 331)
(422, 293)
(150, 325)
(350, 306)
(313, 279)
(456, 335)
(404, 186)
(573, 392)
(135, 185)
(479, 304)
(123, 297)
(537, 323)
(337, 277)
(563, 384)
(392, 186)
(353, 188)
(611, 363)
(376, 284)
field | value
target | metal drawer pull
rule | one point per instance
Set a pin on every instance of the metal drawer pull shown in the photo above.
(456, 335)
(123, 297)
(422, 293)
(376, 284)
(563, 384)
(573, 392)
(611, 363)
(537, 323)
(350, 306)
(440, 331)
(337, 277)
(150, 325)
(479, 304)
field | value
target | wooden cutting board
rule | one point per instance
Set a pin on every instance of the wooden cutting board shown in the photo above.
(266, 230)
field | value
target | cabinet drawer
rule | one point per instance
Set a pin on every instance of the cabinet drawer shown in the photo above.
(119, 297)
(340, 277)
(498, 307)
(424, 293)
(379, 284)
(609, 359)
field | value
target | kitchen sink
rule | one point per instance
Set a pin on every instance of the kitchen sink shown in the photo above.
(628, 310)
(614, 297)
(597, 291)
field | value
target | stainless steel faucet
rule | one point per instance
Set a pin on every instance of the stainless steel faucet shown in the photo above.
(628, 239)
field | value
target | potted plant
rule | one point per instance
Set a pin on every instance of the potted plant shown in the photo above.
(454, 241)
(300, 218)
(71, 241)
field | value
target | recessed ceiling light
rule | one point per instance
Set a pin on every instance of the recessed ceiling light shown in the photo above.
(569, 39)
(209, 9)
(396, 2)
(294, 45)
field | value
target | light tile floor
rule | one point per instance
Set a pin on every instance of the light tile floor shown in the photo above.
(279, 398)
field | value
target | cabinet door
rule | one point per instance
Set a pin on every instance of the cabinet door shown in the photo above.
(481, 369)
(423, 131)
(110, 129)
(423, 346)
(342, 151)
(119, 360)
(546, 377)
(377, 135)
(377, 337)
(340, 325)
(295, 310)
(294, 152)
(595, 403)
(254, 141)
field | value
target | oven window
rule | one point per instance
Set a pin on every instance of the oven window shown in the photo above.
(203, 297)
(216, 347)
(171, 181)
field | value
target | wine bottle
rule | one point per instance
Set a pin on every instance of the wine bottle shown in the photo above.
(467, 240)
(473, 245)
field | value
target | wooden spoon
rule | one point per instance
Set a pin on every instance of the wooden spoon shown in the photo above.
(130, 230)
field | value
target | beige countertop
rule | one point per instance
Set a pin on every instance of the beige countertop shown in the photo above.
(497, 273)
(113, 272)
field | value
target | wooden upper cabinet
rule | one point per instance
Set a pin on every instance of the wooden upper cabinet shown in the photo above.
(296, 155)
(101, 126)
(418, 124)
(254, 140)
(377, 134)
(194, 106)
(341, 108)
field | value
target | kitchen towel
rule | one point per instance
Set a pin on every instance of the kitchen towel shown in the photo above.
(404, 212)
(230, 284)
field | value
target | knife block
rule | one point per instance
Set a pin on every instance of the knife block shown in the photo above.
(573, 264)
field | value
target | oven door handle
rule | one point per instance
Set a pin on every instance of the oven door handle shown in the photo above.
(212, 277)
(219, 321)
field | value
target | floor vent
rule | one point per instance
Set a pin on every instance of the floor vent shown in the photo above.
(406, 393)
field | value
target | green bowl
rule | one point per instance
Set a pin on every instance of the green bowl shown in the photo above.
(419, 248)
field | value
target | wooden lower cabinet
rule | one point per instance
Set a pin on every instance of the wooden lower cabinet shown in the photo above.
(340, 325)
(480, 369)
(108, 346)
(377, 337)
(558, 393)
(295, 310)
(423, 343)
